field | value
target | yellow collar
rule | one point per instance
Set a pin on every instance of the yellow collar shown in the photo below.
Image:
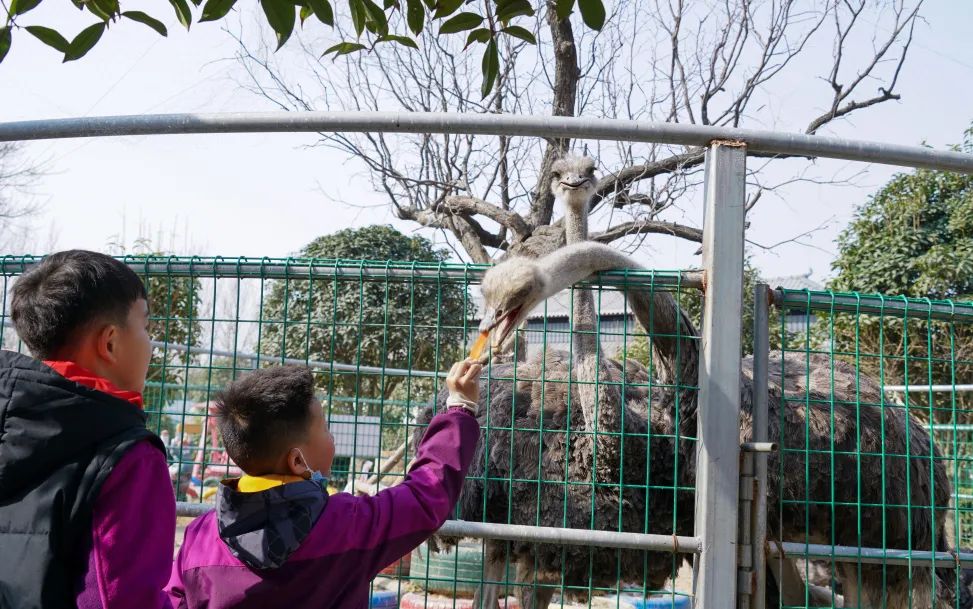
(255, 484)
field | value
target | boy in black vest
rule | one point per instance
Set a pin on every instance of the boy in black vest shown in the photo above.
(87, 513)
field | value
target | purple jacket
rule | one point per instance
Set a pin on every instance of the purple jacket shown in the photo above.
(133, 528)
(293, 546)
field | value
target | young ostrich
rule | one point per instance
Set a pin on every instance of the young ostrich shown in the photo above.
(836, 470)
(586, 479)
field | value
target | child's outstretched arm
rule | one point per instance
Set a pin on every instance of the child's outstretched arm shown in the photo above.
(396, 520)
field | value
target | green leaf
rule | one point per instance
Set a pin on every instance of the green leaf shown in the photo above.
(6, 37)
(508, 9)
(563, 8)
(96, 10)
(214, 10)
(481, 35)
(415, 15)
(376, 16)
(144, 19)
(323, 11)
(304, 13)
(491, 67)
(445, 8)
(343, 48)
(107, 8)
(461, 23)
(84, 42)
(358, 15)
(182, 12)
(593, 13)
(390, 4)
(50, 37)
(281, 16)
(430, 4)
(78, 4)
(403, 40)
(19, 7)
(196, 2)
(518, 32)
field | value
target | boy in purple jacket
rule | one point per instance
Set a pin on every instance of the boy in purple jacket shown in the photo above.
(87, 513)
(276, 539)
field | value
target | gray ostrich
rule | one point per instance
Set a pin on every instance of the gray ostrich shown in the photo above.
(853, 471)
(562, 425)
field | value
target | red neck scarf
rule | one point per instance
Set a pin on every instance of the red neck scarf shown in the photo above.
(83, 376)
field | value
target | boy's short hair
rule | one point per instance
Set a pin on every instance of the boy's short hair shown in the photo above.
(264, 414)
(66, 292)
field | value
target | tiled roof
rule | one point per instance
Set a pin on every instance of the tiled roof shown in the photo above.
(795, 282)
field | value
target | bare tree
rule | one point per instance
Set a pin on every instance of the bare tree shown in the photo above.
(708, 63)
(18, 176)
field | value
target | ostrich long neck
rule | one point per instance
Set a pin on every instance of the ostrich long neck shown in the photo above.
(601, 404)
(585, 340)
(674, 336)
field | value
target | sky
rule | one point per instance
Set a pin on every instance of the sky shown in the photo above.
(261, 195)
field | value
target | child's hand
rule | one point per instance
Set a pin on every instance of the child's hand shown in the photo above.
(463, 380)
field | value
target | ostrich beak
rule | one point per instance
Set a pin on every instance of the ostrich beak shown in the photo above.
(489, 322)
(574, 182)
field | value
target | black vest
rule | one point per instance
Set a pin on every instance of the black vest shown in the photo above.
(58, 442)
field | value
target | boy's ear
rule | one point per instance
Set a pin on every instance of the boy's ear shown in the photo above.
(106, 343)
(295, 464)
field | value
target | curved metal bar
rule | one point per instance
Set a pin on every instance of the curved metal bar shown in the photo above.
(767, 142)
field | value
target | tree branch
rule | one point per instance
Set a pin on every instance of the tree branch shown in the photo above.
(643, 227)
(465, 205)
(565, 96)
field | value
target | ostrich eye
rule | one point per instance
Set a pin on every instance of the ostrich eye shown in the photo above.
(556, 175)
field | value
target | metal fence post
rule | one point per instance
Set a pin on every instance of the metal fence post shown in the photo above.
(761, 355)
(718, 443)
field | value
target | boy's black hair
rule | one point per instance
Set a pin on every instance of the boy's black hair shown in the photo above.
(66, 292)
(264, 414)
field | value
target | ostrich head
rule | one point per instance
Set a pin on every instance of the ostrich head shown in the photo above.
(510, 291)
(573, 181)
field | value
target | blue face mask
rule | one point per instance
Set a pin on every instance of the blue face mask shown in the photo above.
(312, 474)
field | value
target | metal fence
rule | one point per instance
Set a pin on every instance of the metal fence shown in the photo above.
(826, 474)
(379, 336)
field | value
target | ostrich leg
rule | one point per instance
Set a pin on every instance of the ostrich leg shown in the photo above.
(529, 594)
(790, 587)
(487, 595)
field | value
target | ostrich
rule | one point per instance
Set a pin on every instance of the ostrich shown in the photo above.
(585, 479)
(846, 456)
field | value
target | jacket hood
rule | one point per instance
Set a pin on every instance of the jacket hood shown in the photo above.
(263, 529)
(46, 420)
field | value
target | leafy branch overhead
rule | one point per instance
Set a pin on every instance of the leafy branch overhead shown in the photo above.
(373, 23)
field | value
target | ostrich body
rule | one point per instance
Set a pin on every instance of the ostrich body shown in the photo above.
(544, 428)
(844, 455)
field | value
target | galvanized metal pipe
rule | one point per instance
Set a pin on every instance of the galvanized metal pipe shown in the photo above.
(295, 361)
(302, 269)
(758, 447)
(875, 556)
(873, 305)
(517, 532)
(759, 422)
(798, 144)
(927, 388)
(718, 444)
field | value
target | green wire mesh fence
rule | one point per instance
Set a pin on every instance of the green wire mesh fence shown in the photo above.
(379, 337)
(870, 496)
(870, 490)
